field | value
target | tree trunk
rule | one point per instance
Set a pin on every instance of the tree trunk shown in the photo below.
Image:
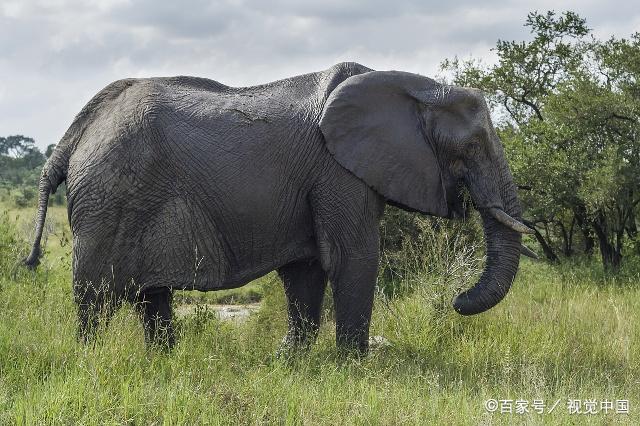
(583, 224)
(611, 253)
(566, 238)
(571, 233)
(632, 228)
(546, 248)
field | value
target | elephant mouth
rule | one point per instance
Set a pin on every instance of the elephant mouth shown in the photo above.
(458, 200)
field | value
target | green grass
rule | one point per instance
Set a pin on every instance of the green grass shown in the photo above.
(563, 332)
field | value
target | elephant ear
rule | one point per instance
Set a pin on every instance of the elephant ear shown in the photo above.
(372, 125)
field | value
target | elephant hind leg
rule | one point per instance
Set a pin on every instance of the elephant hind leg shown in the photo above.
(154, 307)
(304, 285)
(96, 306)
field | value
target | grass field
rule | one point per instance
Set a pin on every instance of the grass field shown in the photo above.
(564, 332)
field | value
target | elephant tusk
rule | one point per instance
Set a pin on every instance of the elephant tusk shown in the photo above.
(510, 222)
(526, 251)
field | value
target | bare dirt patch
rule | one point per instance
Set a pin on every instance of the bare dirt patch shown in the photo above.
(223, 312)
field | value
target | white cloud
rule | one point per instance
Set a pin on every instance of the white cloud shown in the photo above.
(57, 53)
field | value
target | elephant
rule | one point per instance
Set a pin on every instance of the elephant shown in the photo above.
(186, 183)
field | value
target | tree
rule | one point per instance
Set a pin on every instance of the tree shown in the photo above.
(49, 150)
(567, 112)
(16, 145)
(526, 72)
(20, 161)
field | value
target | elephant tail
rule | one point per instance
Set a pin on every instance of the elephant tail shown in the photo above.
(55, 169)
(53, 174)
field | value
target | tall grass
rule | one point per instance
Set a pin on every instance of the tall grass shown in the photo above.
(560, 333)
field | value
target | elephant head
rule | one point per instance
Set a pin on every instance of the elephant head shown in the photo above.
(414, 141)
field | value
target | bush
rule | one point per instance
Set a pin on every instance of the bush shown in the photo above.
(424, 251)
(59, 198)
(24, 198)
(11, 248)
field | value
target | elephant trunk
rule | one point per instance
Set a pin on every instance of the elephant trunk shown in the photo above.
(503, 242)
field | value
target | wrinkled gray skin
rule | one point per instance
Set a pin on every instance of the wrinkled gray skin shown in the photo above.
(185, 183)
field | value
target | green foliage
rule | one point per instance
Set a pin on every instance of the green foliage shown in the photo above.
(20, 161)
(526, 72)
(418, 251)
(568, 113)
(20, 167)
(49, 150)
(59, 198)
(24, 197)
(243, 295)
(16, 146)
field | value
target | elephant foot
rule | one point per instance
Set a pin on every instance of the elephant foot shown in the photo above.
(353, 349)
(292, 346)
(154, 306)
(352, 341)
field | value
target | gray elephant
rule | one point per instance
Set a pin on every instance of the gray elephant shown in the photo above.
(185, 183)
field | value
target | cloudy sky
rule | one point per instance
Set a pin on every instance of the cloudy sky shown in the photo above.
(56, 54)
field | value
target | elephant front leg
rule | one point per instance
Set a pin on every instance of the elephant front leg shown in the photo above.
(304, 285)
(154, 306)
(353, 291)
(346, 215)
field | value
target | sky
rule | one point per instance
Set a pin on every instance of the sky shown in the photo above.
(56, 54)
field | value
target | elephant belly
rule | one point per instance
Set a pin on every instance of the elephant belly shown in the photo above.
(256, 234)
(191, 246)
(181, 245)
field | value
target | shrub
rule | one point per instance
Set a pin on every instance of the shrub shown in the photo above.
(423, 251)
(24, 198)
